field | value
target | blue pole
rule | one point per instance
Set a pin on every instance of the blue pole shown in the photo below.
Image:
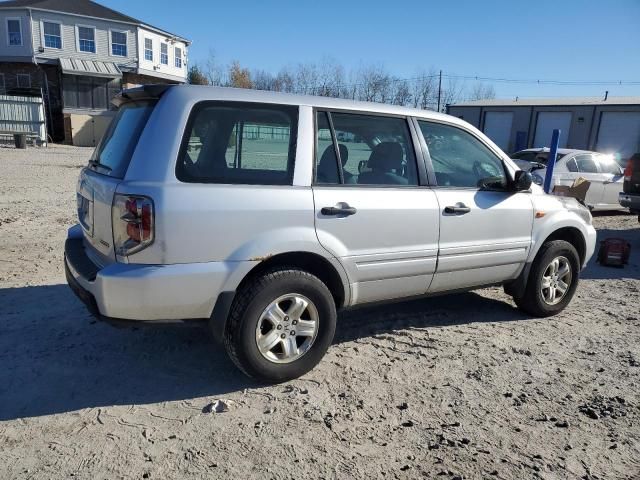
(551, 162)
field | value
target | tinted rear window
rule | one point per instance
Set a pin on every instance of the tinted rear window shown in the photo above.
(113, 153)
(239, 143)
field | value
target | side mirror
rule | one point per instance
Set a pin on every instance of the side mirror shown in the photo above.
(522, 181)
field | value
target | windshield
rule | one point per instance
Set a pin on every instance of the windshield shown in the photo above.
(113, 154)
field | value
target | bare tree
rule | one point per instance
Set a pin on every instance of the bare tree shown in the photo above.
(285, 81)
(330, 76)
(263, 80)
(374, 84)
(424, 90)
(306, 78)
(402, 93)
(481, 91)
(452, 93)
(213, 71)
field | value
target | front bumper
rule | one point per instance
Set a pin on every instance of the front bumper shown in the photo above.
(590, 244)
(169, 293)
(630, 200)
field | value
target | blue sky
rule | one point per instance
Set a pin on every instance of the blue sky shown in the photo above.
(583, 40)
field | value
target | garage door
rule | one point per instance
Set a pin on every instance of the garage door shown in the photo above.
(545, 125)
(497, 126)
(619, 133)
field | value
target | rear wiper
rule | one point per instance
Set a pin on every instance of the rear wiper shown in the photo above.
(96, 163)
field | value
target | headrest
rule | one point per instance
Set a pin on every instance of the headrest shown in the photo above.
(386, 156)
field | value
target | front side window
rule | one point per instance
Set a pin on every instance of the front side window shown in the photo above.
(14, 32)
(148, 49)
(586, 163)
(119, 44)
(460, 160)
(87, 39)
(164, 54)
(52, 35)
(372, 150)
(178, 54)
(239, 144)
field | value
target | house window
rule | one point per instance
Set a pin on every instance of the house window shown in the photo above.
(24, 80)
(87, 39)
(148, 49)
(92, 93)
(14, 31)
(52, 35)
(178, 53)
(164, 54)
(118, 43)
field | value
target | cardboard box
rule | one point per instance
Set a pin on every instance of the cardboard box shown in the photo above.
(577, 190)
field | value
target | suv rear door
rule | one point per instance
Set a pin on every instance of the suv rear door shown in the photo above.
(372, 211)
(99, 180)
(485, 233)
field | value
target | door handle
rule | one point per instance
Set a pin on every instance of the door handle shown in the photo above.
(341, 209)
(457, 209)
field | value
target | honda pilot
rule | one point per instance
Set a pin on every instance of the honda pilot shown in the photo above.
(266, 213)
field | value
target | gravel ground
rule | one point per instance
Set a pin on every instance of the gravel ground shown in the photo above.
(462, 386)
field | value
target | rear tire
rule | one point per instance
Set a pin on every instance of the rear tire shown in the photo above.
(553, 280)
(280, 325)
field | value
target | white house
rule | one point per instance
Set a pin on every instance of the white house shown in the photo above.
(78, 54)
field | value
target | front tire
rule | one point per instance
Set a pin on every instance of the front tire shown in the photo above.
(280, 325)
(553, 280)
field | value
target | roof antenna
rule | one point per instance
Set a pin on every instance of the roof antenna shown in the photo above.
(606, 95)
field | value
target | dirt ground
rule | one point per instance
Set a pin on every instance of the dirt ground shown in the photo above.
(462, 386)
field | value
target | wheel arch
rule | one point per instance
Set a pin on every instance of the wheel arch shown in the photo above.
(570, 234)
(327, 271)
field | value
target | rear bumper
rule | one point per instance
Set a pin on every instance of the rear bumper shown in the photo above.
(630, 200)
(125, 292)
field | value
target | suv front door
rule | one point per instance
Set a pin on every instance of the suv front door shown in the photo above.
(370, 210)
(485, 229)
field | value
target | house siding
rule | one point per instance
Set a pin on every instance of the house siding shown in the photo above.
(150, 67)
(7, 50)
(69, 39)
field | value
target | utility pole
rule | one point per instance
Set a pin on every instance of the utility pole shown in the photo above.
(439, 90)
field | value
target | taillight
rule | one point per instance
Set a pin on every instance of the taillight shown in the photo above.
(629, 170)
(133, 227)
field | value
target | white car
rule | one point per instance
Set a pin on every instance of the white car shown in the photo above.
(601, 170)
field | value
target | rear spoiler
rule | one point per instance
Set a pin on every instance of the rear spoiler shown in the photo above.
(144, 92)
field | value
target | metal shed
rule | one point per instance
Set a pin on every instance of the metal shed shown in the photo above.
(609, 125)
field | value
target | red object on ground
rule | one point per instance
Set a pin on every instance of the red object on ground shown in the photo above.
(614, 252)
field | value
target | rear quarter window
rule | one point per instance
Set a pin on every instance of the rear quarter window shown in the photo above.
(239, 143)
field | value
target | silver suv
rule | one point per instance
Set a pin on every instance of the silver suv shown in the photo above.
(265, 213)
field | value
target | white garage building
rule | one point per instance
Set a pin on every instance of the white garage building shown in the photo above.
(608, 126)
